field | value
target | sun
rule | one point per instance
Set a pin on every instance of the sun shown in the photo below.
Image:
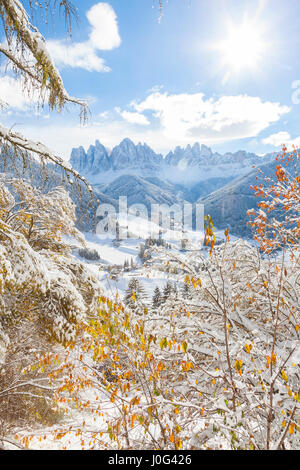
(242, 47)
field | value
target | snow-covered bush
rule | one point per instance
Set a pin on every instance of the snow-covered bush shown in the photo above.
(36, 269)
(44, 294)
(216, 366)
(276, 222)
(217, 370)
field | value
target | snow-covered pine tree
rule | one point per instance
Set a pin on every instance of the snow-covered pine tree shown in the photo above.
(185, 291)
(135, 295)
(157, 298)
(142, 252)
(168, 289)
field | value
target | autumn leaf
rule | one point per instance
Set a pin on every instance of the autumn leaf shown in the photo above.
(284, 376)
(291, 428)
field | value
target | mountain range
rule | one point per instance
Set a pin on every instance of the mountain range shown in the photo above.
(222, 182)
(186, 166)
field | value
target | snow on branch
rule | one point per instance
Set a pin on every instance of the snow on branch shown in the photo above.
(20, 142)
(24, 39)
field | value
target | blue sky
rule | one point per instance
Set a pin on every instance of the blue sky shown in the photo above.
(220, 72)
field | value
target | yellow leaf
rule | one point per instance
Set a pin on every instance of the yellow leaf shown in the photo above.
(291, 428)
(284, 376)
(178, 444)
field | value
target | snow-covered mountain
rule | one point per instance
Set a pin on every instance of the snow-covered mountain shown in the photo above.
(139, 191)
(185, 166)
(194, 173)
(94, 161)
(101, 166)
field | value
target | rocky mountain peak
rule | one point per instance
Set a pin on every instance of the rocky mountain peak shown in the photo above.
(194, 162)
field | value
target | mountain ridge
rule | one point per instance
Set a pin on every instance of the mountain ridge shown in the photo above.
(187, 165)
(191, 174)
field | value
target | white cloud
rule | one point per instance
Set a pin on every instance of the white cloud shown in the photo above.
(133, 117)
(78, 55)
(282, 138)
(192, 117)
(104, 35)
(12, 93)
(104, 115)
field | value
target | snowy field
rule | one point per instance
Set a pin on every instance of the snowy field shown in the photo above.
(112, 254)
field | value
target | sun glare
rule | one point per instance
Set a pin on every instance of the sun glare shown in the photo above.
(243, 47)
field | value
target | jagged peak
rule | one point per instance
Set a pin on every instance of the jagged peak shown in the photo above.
(126, 142)
(78, 149)
(99, 145)
(144, 160)
(196, 147)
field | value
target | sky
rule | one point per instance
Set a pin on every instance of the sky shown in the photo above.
(224, 73)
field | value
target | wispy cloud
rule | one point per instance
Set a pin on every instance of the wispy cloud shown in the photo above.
(133, 117)
(104, 36)
(282, 138)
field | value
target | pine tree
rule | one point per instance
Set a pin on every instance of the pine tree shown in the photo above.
(157, 298)
(167, 291)
(135, 295)
(142, 252)
(183, 244)
(185, 291)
